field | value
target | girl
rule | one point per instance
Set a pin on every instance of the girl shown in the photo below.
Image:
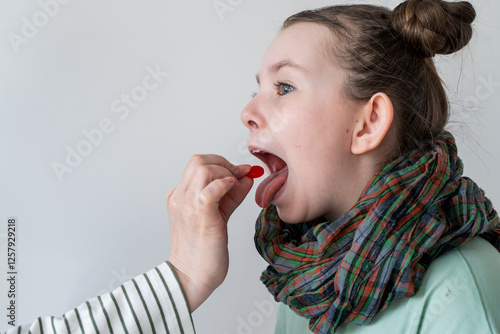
(367, 219)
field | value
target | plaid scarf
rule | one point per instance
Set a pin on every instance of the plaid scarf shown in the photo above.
(346, 270)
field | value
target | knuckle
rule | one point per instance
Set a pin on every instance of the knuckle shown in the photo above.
(196, 159)
(207, 196)
(170, 195)
(204, 170)
(172, 202)
(203, 199)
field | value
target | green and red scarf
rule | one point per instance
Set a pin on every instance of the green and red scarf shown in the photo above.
(347, 270)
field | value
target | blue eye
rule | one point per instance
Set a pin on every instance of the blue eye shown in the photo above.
(283, 88)
(253, 94)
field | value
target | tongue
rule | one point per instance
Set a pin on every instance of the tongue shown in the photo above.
(268, 188)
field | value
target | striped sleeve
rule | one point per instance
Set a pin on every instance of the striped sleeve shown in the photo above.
(150, 303)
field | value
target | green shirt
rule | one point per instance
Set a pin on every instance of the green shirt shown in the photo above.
(460, 293)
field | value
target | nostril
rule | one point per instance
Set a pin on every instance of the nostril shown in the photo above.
(251, 116)
(252, 124)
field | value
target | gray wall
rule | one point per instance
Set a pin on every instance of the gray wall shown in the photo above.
(84, 232)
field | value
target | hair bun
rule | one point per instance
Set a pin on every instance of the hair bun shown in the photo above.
(433, 26)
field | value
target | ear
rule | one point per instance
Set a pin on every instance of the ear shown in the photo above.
(371, 128)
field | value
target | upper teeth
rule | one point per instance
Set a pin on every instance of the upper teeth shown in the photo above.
(257, 151)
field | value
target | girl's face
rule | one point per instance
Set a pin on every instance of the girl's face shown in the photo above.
(301, 118)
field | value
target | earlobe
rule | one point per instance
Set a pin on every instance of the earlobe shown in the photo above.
(375, 120)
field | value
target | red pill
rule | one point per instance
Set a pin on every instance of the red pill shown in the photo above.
(255, 172)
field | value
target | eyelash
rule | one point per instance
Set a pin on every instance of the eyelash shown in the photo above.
(278, 85)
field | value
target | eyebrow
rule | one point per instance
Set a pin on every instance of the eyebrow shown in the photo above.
(279, 65)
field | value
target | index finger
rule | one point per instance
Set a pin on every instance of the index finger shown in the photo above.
(211, 159)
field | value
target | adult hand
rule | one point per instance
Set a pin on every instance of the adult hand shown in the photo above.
(199, 208)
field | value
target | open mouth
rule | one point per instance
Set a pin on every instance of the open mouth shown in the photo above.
(273, 162)
(269, 188)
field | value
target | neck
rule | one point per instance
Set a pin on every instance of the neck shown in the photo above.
(355, 181)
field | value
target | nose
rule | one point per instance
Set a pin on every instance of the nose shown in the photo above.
(250, 115)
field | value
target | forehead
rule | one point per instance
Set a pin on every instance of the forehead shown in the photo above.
(304, 44)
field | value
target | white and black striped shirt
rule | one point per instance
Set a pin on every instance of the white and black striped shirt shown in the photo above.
(150, 303)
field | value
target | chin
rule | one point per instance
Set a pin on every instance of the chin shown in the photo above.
(289, 217)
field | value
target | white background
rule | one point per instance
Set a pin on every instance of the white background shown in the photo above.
(106, 221)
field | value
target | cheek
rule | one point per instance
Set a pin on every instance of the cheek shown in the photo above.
(286, 119)
(320, 161)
